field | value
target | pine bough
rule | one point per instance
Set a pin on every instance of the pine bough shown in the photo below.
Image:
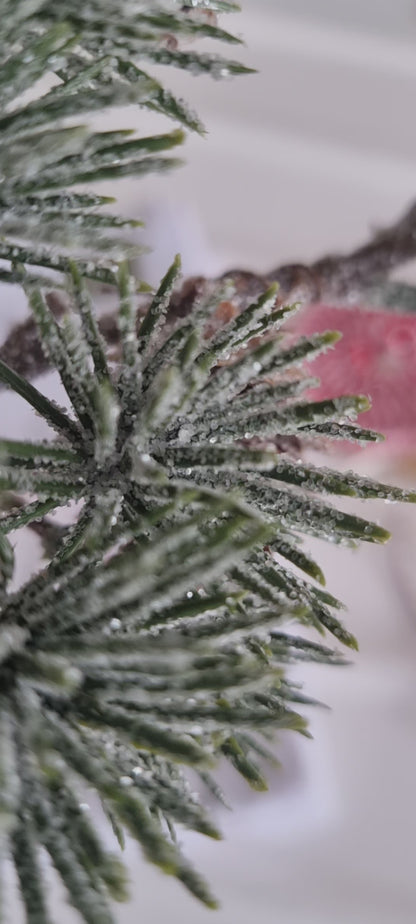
(155, 638)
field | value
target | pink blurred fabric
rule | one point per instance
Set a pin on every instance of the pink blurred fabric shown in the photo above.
(376, 357)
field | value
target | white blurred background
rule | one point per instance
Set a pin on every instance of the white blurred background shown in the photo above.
(303, 159)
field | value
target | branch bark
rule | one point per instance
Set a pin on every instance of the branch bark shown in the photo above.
(334, 279)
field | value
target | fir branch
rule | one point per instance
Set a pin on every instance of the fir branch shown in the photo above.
(170, 591)
(168, 647)
(97, 65)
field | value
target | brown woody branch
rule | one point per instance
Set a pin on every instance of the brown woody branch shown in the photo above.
(333, 278)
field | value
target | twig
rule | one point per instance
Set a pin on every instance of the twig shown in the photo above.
(362, 273)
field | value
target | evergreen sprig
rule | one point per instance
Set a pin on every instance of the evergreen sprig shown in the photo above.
(155, 637)
(60, 63)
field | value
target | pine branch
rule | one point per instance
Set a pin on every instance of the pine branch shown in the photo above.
(96, 64)
(168, 646)
(173, 581)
